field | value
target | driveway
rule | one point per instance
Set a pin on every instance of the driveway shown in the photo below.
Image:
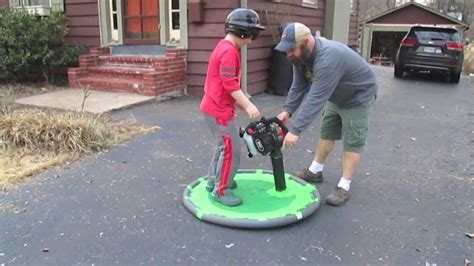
(412, 203)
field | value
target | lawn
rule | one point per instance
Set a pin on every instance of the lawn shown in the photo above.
(33, 140)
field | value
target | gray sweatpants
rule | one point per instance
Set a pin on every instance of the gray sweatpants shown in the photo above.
(226, 158)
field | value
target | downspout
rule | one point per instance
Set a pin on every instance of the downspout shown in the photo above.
(243, 59)
(101, 23)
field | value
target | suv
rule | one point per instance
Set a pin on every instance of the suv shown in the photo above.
(433, 49)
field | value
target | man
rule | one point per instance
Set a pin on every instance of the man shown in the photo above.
(342, 82)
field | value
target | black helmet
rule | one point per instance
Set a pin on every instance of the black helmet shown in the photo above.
(243, 23)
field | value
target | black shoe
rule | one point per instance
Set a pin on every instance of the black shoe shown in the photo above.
(309, 176)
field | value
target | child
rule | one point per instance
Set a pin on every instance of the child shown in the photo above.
(221, 93)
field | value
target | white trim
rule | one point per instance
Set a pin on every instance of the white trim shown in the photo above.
(114, 33)
(310, 3)
(183, 21)
(174, 35)
(163, 5)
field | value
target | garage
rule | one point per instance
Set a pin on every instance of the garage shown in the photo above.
(381, 35)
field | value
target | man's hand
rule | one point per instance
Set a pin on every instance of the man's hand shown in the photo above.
(290, 140)
(253, 112)
(284, 117)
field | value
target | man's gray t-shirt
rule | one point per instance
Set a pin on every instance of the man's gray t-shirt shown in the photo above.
(340, 76)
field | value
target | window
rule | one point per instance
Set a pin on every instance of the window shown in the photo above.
(36, 3)
(39, 7)
(310, 3)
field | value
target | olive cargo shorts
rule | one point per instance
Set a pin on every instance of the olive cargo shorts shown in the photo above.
(349, 124)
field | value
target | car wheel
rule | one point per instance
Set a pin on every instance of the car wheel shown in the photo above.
(454, 77)
(398, 72)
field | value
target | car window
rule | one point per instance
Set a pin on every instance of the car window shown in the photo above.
(434, 34)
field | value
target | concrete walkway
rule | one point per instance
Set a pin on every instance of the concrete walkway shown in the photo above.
(97, 101)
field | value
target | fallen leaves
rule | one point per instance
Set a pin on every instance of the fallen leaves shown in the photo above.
(470, 235)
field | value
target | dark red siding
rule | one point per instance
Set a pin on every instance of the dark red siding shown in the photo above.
(354, 25)
(411, 15)
(204, 36)
(272, 15)
(83, 22)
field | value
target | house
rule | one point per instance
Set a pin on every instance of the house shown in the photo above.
(382, 34)
(159, 46)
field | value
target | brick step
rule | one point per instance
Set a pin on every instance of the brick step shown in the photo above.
(119, 71)
(127, 61)
(113, 84)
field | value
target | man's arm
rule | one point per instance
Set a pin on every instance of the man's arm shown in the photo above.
(296, 92)
(325, 80)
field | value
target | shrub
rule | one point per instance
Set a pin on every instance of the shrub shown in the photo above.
(29, 43)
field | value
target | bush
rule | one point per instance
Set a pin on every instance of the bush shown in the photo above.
(29, 43)
(468, 66)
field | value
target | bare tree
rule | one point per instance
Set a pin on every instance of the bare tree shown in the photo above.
(371, 8)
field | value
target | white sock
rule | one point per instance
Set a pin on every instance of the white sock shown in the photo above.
(344, 184)
(316, 167)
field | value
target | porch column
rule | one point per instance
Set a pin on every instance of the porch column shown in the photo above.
(337, 20)
(243, 59)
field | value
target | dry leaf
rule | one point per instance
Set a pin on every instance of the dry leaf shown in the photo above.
(310, 151)
(413, 139)
(467, 262)
(230, 245)
(45, 249)
(470, 235)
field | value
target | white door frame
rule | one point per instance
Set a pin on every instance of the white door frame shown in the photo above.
(165, 24)
(105, 23)
(107, 34)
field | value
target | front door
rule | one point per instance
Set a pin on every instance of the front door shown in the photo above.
(141, 22)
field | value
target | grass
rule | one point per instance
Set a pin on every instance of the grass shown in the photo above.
(33, 140)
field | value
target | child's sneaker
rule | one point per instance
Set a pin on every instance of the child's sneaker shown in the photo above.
(228, 199)
(210, 185)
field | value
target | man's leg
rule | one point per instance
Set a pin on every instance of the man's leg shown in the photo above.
(331, 130)
(355, 122)
(350, 161)
(323, 149)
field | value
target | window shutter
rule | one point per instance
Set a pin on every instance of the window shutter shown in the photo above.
(57, 5)
(14, 3)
